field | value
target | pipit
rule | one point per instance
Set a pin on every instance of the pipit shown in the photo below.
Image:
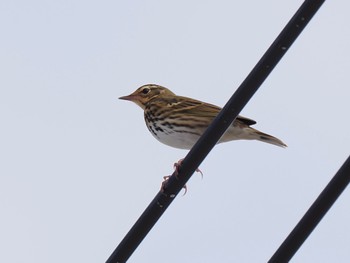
(179, 121)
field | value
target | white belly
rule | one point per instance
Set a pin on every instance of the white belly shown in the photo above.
(185, 138)
(181, 140)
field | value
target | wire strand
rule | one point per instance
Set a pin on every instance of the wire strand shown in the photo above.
(213, 133)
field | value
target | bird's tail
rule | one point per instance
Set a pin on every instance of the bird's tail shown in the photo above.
(264, 137)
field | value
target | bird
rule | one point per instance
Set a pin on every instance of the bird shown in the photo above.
(179, 121)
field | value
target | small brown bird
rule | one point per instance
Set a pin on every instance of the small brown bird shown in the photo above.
(179, 121)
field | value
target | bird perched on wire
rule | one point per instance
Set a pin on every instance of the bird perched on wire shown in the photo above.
(179, 121)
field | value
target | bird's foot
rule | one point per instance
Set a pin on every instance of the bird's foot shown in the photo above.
(177, 166)
(166, 178)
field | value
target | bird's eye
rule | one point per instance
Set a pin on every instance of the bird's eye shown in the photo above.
(145, 90)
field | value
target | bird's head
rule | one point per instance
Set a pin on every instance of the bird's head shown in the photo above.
(146, 93)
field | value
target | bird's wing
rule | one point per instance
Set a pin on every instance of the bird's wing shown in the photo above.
(246, 120)
(196, 107)
(200, 109)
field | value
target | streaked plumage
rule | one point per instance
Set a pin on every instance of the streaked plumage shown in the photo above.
(179, 121)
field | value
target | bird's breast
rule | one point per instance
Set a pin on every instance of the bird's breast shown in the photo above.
(172, 133)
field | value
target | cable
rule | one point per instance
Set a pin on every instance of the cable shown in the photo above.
(314, 215)
(214, 132)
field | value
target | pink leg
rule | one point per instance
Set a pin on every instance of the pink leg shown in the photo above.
(178, 164)
(176, 167)
(166, 178)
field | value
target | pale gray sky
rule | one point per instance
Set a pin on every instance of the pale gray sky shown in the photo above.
(78, 166)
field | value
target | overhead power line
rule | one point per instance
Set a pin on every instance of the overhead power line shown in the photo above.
(214, 132)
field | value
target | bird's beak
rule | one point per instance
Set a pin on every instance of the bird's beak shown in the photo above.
(129, 97)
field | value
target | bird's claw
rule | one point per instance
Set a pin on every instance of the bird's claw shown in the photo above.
(177, 166)
(166, 178)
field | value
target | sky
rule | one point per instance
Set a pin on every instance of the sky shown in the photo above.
(78, 166)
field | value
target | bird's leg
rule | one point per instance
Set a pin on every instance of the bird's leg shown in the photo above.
(176, 167)
(166, 178)
(178, 164)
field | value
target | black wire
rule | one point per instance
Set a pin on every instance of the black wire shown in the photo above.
(314, 215)
(208, 140)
